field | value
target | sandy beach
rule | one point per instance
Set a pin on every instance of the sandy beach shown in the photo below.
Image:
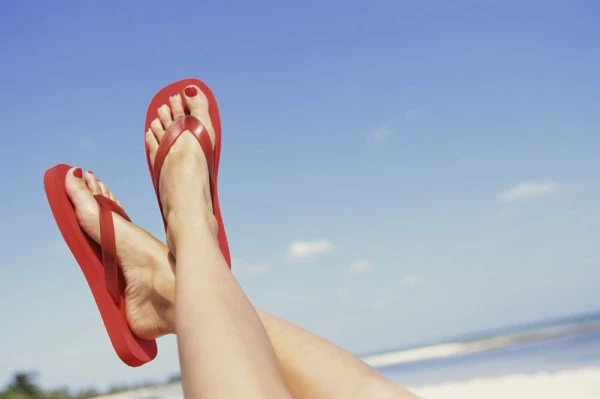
(581, 383)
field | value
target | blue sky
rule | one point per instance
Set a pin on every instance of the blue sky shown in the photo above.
(393, 172)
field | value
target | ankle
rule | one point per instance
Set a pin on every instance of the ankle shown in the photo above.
(190, 227)
(169, 318)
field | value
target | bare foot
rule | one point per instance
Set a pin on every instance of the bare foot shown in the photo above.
(184, 181)
(143, 259)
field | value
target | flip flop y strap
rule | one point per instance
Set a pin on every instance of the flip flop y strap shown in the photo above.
(108, 245)
(179, 126)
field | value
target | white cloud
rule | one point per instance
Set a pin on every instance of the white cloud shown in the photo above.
(249, 269)
(302, 250)
(411, 280)
(528, 190)
(360, 266)
(380, 134)
(87, 143)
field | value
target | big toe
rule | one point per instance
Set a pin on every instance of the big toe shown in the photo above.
(81, 197)
(196, 101)
(81, 189)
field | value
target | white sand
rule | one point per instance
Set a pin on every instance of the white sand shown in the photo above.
(569, 384)
(581, 383)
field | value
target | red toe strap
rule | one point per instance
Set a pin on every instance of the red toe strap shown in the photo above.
(109, 245)
(182, 124)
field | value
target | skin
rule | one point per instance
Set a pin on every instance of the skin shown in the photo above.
(250, 352)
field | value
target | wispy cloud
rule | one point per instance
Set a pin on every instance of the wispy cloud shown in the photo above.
(359, 266)
(248, 268)
(411, 280)
(528, 190)
(303, 250)
(379, 134)
(87, 143)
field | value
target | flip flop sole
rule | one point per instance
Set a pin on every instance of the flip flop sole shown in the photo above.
(132, 350)
(162, 97)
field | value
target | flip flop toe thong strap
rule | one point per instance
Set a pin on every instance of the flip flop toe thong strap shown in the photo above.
(179, 126)
(109, 245)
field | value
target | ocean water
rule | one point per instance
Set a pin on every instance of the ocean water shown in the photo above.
(562, 345)
(549, 346)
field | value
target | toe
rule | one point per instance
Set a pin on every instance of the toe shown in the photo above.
(164, 114)
(157, 128)
(92, 183)
(103, 189)
(196, 101)
(152, 145)
(80, 195)
(113, 198)
(176, 106)
(74, 182)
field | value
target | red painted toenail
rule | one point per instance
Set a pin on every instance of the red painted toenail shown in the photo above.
(78, 173)
(190, 91)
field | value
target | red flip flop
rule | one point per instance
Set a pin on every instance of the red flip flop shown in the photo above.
(99, 266)
(188, 122)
